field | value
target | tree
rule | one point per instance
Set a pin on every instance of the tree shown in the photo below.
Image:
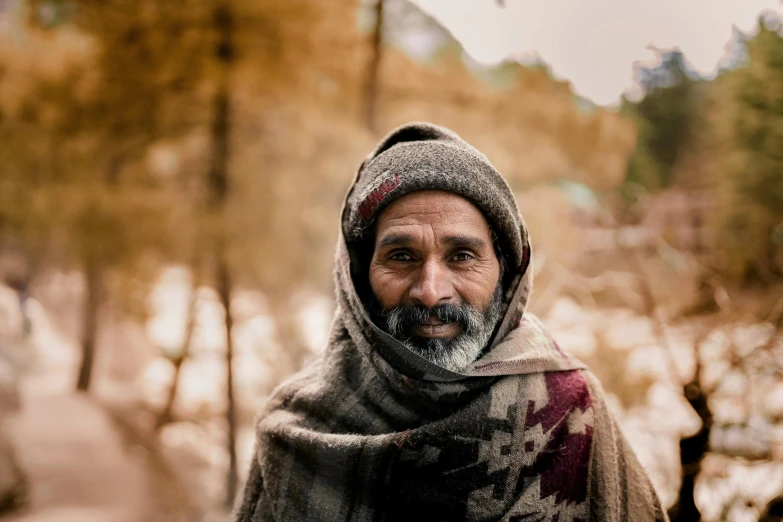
(529, 123)
(667, 116)
(85, 195)
(749, 184)
(218, 187)
(371, 88)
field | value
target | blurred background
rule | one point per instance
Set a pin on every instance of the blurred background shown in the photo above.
(171, 175)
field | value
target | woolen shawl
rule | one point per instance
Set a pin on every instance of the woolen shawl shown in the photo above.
(370, 431)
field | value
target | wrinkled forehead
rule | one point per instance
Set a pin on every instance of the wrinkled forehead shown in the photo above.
(438, 210)
(442, 218)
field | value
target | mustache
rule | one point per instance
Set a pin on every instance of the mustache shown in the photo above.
(403, 317)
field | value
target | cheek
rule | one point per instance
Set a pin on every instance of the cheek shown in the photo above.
(388, 287)
(478, 286)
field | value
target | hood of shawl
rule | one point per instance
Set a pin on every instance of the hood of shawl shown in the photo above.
(520, 343)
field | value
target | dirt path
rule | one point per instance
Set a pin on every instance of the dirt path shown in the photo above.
(78, 466)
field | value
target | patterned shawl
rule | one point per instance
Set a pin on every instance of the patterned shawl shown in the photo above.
(373, 432)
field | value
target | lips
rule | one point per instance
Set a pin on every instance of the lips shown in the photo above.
(434, 327)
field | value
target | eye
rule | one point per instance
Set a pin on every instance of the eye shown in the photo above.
(462, 256)
(400, 256)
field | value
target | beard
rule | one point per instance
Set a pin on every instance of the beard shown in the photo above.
(455, 353)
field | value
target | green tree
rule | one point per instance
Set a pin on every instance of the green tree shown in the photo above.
(749, 175)
(666, 117)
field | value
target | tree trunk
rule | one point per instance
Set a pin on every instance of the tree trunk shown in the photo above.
(92, 298)
(692, 452)
(224, 290)
(373, 70)
(165, 414)
(218, 182)
(773, 511)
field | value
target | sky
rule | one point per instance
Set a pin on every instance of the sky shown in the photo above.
(594, 43)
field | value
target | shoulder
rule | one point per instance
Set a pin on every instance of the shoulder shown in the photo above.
(569, 388)
(559, 396)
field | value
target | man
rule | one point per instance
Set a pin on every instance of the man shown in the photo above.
(438, 397)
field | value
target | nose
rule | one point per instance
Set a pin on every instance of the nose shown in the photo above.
(431, 286)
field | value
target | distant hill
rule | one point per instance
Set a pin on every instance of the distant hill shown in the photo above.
(531, 125)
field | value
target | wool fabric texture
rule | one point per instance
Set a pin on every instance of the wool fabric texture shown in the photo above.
(371, 431)
(421, 156)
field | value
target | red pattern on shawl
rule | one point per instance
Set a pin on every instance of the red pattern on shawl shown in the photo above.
(563, 464)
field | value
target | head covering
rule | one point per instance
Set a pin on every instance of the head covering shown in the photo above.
(423, 156)
(371, 431)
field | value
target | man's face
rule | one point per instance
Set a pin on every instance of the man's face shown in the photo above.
(435, 276)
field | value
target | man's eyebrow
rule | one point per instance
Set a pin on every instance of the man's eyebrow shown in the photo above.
(395, 240)
(465, 241)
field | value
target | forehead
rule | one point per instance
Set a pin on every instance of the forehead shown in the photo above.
(436, 208)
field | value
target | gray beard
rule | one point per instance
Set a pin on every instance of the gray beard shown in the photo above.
(454, 354)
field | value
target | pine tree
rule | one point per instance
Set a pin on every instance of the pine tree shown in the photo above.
(667, 116)
(750, 175)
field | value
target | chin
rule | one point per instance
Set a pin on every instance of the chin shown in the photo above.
(452, 353)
